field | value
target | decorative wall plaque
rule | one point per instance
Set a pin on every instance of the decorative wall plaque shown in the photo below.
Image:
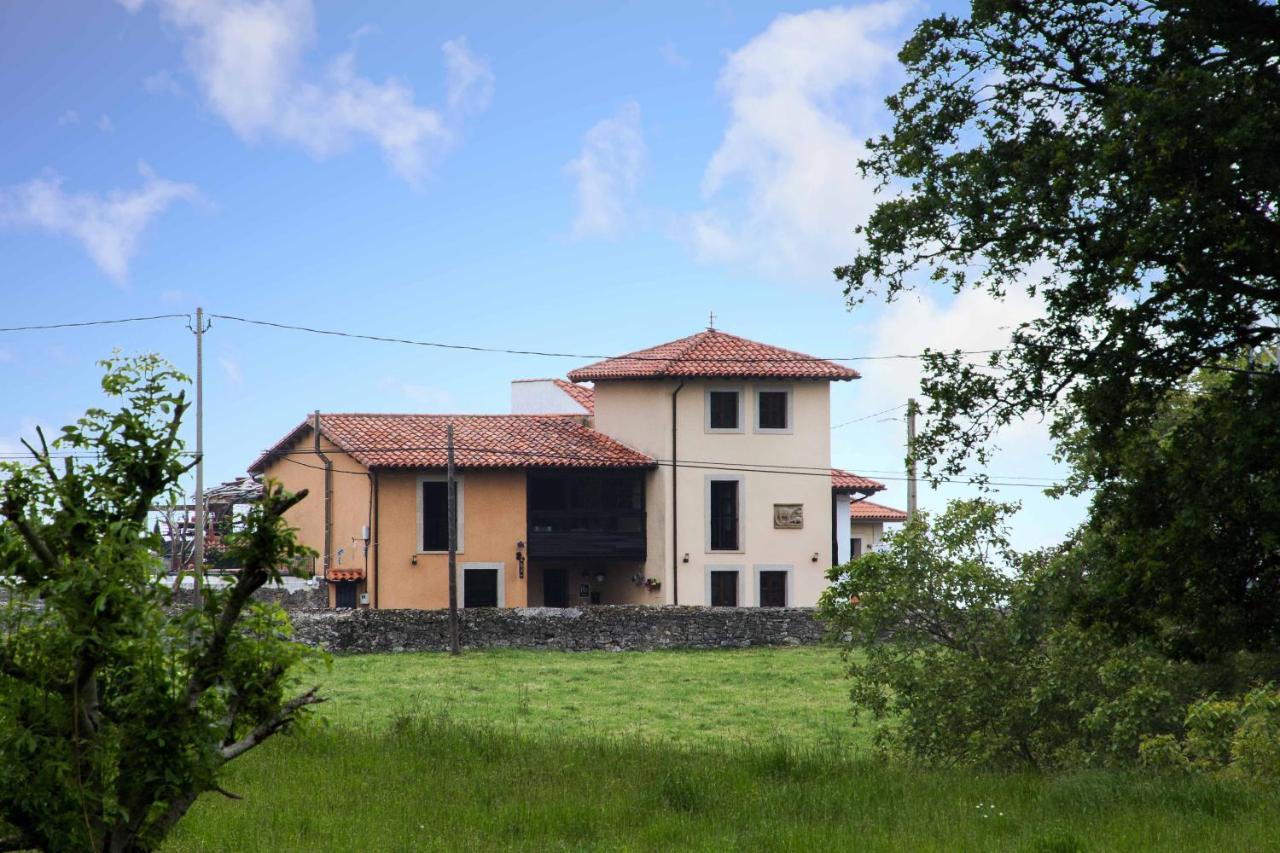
(788, 516)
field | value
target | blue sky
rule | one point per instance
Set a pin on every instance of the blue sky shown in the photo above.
(585, 178)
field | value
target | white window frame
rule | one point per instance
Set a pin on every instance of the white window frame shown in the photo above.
(774, 567)
(462, 504)
(742, 507)
(741, 391)
(736, 569)
(755, 410)
(501, 568)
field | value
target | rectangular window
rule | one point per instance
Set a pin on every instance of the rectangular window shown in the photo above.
(724, 515)
(480, 587)
(773, 589)
(724, 589)
(435, 515)
(723, 410)
(855, 547)
(772, 410)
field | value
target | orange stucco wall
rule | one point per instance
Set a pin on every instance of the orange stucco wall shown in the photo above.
(303, 470)
(492, 521)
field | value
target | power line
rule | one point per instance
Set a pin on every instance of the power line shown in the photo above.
(578, 355)
(95, 323)
(870, 416)
(700, 464)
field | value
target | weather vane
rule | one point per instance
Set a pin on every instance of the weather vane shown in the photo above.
(711, 320)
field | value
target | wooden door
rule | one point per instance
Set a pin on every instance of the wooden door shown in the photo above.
(773, 589)
(555, 588)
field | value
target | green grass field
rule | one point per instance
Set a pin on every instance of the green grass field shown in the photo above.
(664, 751)
(692, 697)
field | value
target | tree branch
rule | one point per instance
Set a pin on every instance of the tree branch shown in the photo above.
(38, 545)
(15, 842)
(271, 726)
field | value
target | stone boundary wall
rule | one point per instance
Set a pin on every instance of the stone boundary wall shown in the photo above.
(310, 598)
(600, 627)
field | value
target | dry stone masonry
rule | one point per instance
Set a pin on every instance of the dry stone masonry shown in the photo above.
(610, 628)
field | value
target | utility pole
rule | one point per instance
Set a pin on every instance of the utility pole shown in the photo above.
(198, 557)
(452, 489)
(911, 458)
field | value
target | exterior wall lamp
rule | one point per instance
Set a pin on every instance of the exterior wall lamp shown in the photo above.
(520, 556)
(685, 559)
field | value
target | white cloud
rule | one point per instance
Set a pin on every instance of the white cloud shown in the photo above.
(783, 189)
(108, 226)
(231, 367)
(971, 320)
(162, 83)
(248, 62)
(427, 397)
(672, 56)
(607, 170)
(469, 80)
(105, 124)
(69, 117)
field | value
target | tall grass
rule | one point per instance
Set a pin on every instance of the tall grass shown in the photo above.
(428, 783)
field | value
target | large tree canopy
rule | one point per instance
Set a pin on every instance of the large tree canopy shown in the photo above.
(1119, 159)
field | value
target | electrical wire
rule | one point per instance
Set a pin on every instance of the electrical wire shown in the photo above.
(700, 464)
(550, 354)
(95, 323)
(872, 415)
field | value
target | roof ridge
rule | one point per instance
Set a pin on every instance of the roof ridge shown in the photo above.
(324, 415)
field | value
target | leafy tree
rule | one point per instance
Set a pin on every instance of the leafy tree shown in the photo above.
(116, 714)
(1182, 544)
(1116, 158)
(960, 661)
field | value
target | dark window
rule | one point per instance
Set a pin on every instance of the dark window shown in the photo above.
(855, 547)
(724, 409)
(724, 515)
(344, 594)
(724, 589)
(480, 588)
(773, 409)
(435, 516)
(773, 589)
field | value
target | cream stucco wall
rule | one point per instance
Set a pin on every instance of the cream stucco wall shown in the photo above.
(638, 413)
(870, 532)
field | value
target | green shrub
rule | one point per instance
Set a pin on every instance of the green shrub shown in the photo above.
(966, 657)
(1255, 748)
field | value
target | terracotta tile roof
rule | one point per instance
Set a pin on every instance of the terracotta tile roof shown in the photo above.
(480, 441)
(847, 481)
(581, 394)
(346, 574)
(713, 354)
(868, 511)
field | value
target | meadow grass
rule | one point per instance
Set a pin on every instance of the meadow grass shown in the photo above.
(799, 695)
(750, 749)
(431, 783)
